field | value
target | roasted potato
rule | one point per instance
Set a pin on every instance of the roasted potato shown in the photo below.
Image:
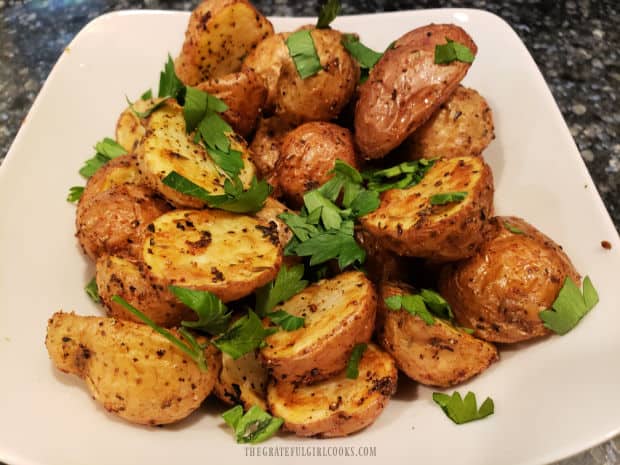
(269, 214)
(224, 253)
(381, 263)
(130, 128)
(167, 147)
(242, 381)
(500, 291)
(338, 406)
(405, 88)
(121, 170)
(220, 34)
(132, 370)
(129, 279)
(266, 146)
(113, 221)
(307, 156)
(435, 355)
(317, 98)
(407, 223)
(338, 313)
(245, 95)
(463, 125)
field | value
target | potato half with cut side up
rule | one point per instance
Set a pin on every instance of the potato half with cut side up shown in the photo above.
(224, 253)
(121, 170)
(501, 290)
(338, 406)
(130, 128)
(338, 313)
(463, 125)
(167, 147)
(219, 35)
(132, 370)
(129, 280)
(405, 88)
(436, 355)
(242, 381)
(409, 224)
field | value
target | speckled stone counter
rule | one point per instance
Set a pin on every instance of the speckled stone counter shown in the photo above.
(575, 43)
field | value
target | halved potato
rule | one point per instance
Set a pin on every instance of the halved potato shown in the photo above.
(167, 147)
(220, 34)
(435, 355)
(338, 406)
(463, 125)
(500, 291)
(406, 87)
(131, 369)
(269, 213)
(121, 170)
(242, 381)
(129, 280)
(338, 313)
(224, 253)
(130, 128)
(407, 223)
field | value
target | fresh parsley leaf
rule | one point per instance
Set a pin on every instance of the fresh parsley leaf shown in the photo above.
(93, 291)
(75, 193)
(148, 111)
(252, 427)
(452, 51)
(245, 335)
(463, 410)
(437, 304)
(513, 229)
(197, 104)
(329, 11)
(448, 197)
(169, 83)
(332, 244)
(303, 52)
(213, 316)
(301, 226)
(354, 360)
(189, 345)
(414, 304)
(467, 330)
(215, 131)
(570, 306)
(230, 162)
(106, 150)
(234, 199)
(147, 95)
(425, 304)
(366, 57)
(288, 283)
(331, 215)
(286, 321)
(401, 176)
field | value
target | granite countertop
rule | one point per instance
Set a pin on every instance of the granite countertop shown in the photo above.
(575, 43)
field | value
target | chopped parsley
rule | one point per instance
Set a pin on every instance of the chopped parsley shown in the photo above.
(213, 315)
(75, 193)
(329, 11)
(570, 306)
(448, 197)
(401, 176)
(463, 410)
(354, 360)
(93, 291)
(303, 52)
(244, 335)
(513, 229)
(106, 150)
(424, 304)
(452, 51)
(365, 57)
(286, 321)
(254, 426)
(288, 283)
(169, 83)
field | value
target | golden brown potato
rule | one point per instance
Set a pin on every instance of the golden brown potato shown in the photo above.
(308, 154)
(133, 371)
(113, 221)
(121, 170)
(407, 223)
(381, 263)
(500, 291)
(269, 214)
(266, 147)
(167, 147)
(129, 280)
(130, 128)
(245, 95)
(224, 253)
(219, 36)
(406, 87)
(338, 406)
(436, 355)
(338, 313)
(463, 125)
(317, 98)
(242, 381)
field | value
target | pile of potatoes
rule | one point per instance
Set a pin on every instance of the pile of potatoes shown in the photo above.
(497, 273)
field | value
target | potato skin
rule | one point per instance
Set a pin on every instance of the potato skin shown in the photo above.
(408, 224)
(406, 87)
(242, 381)
(245, 95)
(266, 147)
(500, 291)
(435, 355)
(338, 406)
(121, 170)
(317, 98)
(308, 154)
(129, 280)
(113, 221)
(133, 371)
(219, 35)
(463, 125)
(339, 313)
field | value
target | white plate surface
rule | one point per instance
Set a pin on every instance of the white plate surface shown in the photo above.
(553, 398)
